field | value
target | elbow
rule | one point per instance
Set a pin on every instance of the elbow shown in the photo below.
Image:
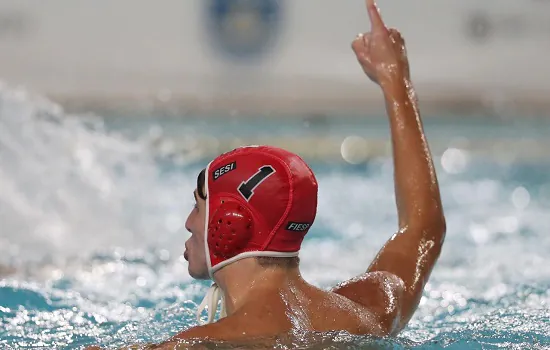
(437, 228)
(441, 231)
(440, 224)
(432, 225)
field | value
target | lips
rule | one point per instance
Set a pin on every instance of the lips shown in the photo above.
(185, 254)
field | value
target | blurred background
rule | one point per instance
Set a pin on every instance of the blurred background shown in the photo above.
(108, 111)
(274, 59)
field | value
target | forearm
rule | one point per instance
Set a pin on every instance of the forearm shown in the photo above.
(416, 187)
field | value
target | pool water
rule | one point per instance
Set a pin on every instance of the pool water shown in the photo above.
(92, 216)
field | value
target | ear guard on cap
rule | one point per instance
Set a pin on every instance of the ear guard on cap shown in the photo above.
(229, 230)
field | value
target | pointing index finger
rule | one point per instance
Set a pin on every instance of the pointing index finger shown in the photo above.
(374, 14)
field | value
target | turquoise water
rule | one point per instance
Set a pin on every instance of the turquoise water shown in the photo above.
(92, 232)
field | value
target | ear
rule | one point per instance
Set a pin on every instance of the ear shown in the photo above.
(229, 231)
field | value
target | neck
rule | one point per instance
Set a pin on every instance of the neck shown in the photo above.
(245, 279)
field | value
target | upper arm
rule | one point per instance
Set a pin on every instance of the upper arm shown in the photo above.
(411, 255)
(380, 293)
(393, 284)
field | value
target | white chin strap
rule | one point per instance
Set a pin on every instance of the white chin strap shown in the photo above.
(210, 301)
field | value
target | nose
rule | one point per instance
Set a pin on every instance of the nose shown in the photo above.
(188, 223)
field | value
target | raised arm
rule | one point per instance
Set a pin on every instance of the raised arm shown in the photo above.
(394, 281)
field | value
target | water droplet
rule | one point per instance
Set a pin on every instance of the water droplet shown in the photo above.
(521, 198)
(164, 255)
(141, 281)
(354, 149)
(454, 160)
(479, 233)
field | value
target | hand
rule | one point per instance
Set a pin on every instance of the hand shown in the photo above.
(381, 52)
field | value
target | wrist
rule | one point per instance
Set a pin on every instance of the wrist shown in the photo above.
(398, 89)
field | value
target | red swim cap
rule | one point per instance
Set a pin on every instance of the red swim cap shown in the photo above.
(261, 201)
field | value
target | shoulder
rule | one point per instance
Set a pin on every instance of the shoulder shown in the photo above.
(378, 283)
(213, 331)
(380, 293)
(231, 328)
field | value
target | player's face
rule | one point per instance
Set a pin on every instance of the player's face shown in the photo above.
(195, 252)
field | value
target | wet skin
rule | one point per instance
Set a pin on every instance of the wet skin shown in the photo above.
(264, 302)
